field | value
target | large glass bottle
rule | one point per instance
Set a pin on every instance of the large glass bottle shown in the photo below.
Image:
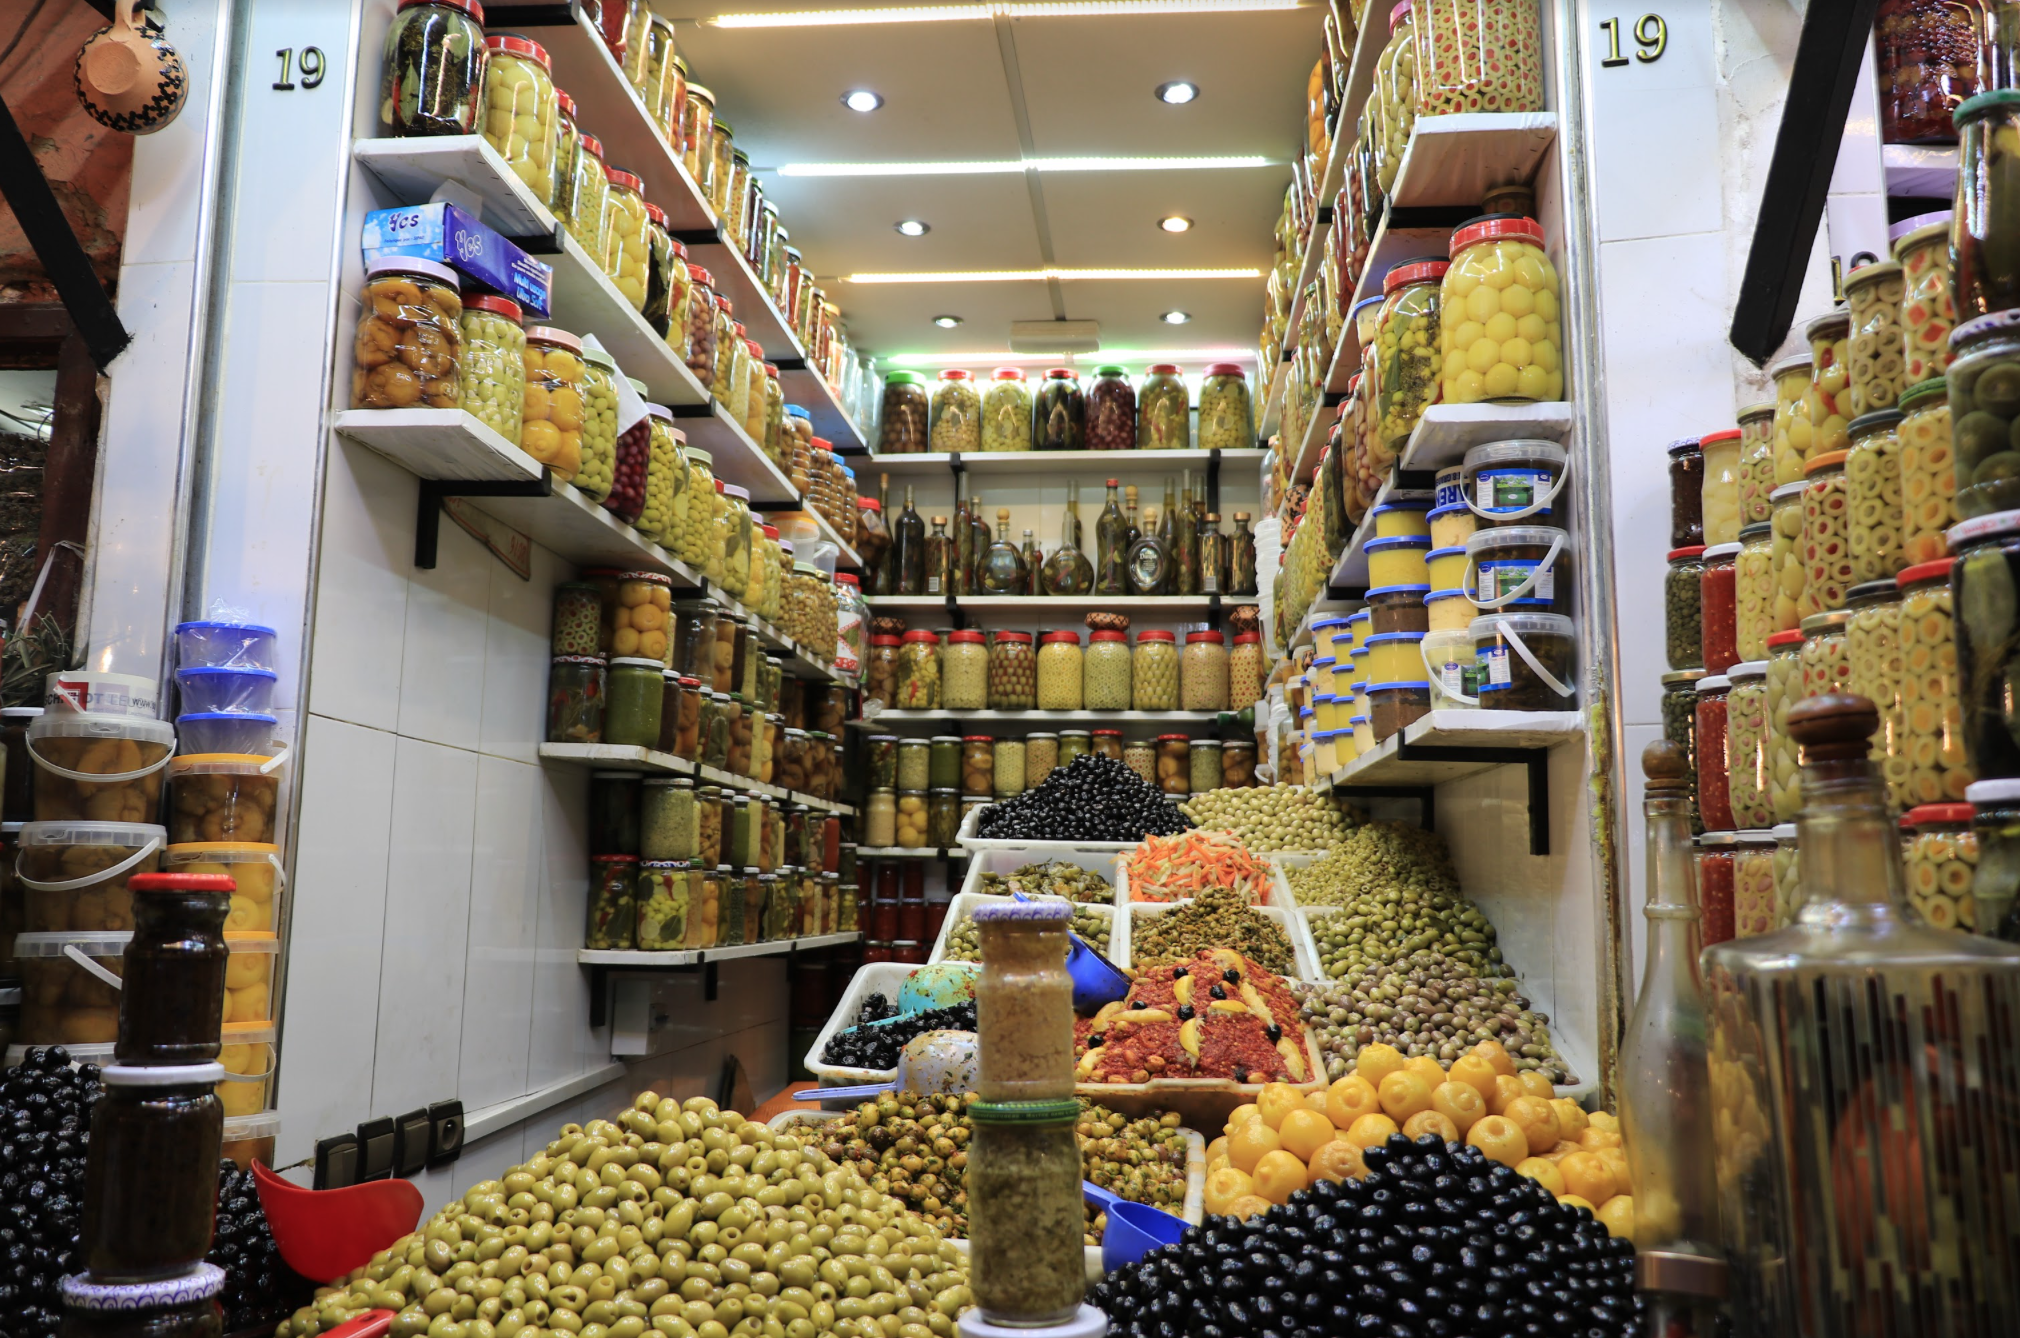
(1665, 1094)
(1241, 557)
(1185, 544)
(1111, 548)
(1149, 559)
(908, 542)
(879, 559)
(1034, 566)
(964, 541)
(939, 559)
(1215, 565)
(1129, 506)
(1002, 567)
(1067, 571)
(1167, 539)
(1868, 1103)
(978, 542)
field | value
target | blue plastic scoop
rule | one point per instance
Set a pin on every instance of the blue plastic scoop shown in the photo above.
(1096, 980)
(1134, 1229)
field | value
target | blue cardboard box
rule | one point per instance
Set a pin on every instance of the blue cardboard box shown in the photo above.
(443, 233)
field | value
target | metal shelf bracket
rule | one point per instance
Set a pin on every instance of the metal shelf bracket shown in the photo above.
(428, 517)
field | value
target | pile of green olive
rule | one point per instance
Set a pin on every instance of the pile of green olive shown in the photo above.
(679, 1219)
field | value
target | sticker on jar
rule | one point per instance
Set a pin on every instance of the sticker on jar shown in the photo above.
(1502, 490)
(1500, 580)
(1459, 680)
(1497, 668)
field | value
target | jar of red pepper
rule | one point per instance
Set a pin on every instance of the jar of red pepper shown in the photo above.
(1715, 851)
(1719, 608)
(912, 904)
(1926, 54)
(1714, 794)
(884, 902)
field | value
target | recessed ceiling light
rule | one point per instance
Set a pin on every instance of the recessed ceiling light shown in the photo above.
(1015, 9)
(1175, 317)
(1020, 165)
(1176, 223)
(946, 322)
(1178, 92)
(862, 100)
(912, 227)
(1041, 275)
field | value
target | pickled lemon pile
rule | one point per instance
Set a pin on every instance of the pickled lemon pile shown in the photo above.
(679, 1219)
(1288, 1139)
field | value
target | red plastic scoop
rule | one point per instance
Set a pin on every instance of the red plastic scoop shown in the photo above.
(325, 1233)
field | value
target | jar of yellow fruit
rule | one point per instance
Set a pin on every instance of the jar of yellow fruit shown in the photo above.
(521, 112)
(550, 427)
(1830, 394)
(1500, 334)
(627, 243)
(254, 866)
(639, 617)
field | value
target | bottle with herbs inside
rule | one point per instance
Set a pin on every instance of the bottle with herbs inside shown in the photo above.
(873, 541)
(1067, 571)
(1002, 566)
(978, 544)
(1111, 548)
(1034, 566)
(1149, 560)
(1213, 557)
(908, 549)
(1241, 557)
(939, 559)
(1185, 544)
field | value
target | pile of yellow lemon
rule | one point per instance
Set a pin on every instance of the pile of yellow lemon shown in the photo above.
(1288, 1139)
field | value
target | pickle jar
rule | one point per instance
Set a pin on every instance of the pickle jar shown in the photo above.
(660, 289)
(1679, 726)
(408, 351)
(1476, 289)
(978, 764)
(1203, 769)
(1825, 659)
(575, 694)
(1041, 755)
(697, 130)
(1995, 806)
(1060, 672)
(944, 762)
(1875, 355)
(964, 672)
(1936, 769)
(1714, 795)
(588, 192)
(1873, 667)
(1174, 764)
(1754, 590)
(902, 423)
(697, 325)
(1830, 394)
(664, 474)
(1074, 743)
(1940, 863)
(1154, 673)
(1719, 607)
(1006, 411)
(1754, 902)
(1686, 494)
(1984, 280)
(493, 363)
(1683, 608)
(1720, 507)
(1226, 421)
(1407, 350)
(521, 115)
(1163, 410)
(613, 904)
(1985, 358)
(1108, 743)
(1013, 672)
(1105, 672)
(550, 427)
(918, 687)
(431, 79)
(1873, 497)
(1826, 542)
(1788, 874)
(943, 817)
(598, 470)
(1204, 672)
(1785, 689)
(880, 674)
(1928, 311)
(1928, 472)
(1794, 432)
(1140, 756)
(627, 241)
(1756, 462)
(1791, 572)
(1748, 793)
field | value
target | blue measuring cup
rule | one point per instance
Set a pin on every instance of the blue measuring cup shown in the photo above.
(1134, 1229)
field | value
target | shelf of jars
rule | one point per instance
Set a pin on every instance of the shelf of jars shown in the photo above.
(1920, 171)
(1351, 571)
(1410, 757)
(608, 107)
(778, 947)
(910, 852)
(995, 464)
(623, 757)
(796, 659)
(1065, 605)
(978, 722)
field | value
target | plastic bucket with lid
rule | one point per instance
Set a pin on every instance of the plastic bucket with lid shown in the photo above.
(105, 768)
(1398, 561)
(1450, 663)
(87, 693)
(1403, 515)
(73, 874)
(1527, 661)
(1513, 482)
(231, 689)
(1449, 611)
(70, 989)
(223, 797)
(1448, 569)
(1396, 608)
(256, 868)
(1524, 567)
(249, 733)
(1394, 657)
(226, 645)
(1393, 706)
(1452, 526)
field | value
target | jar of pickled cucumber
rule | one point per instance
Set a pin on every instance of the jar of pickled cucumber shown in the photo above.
(1756, 462)
(691, 481)
(1984, 386)
(662, 467)
(1106, 670)
(1163, 410)
(1683, 608)
(1074, 743)
(1153, 674)
(1407, 344)
(1754, 576)
(494, 363)
(1878, 364)
(1938, 767)
(1006, 411)
(1791, 572)
(1830, 394)
(1928, 308)
(1928, 472)
(1826, 541)
(1793, 429)
(735, 396)
(1679, 726)
(1940, 863)
(550, 425)
(1873, 497)
(521, 115)
(431, 78)
(918, 672)
(1826, 663)
(964, 672)
(599, 425)
(1873, 666)
(409, 344)
(1013, 672)
(1785, 689)
(1059, 671)
(1485, 357)
(588, 192)
(627, 247)
(1748, 789)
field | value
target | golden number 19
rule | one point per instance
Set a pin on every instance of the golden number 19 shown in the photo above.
(313, 64)
(1651, 36)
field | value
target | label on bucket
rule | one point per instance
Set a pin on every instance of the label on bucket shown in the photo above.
(1511, 489)
(1501, 579)
(1459, 679)
(1497, 668)
(103, 694)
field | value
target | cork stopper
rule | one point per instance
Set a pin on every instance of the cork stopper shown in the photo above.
(1666, 766)
(939, 520)
(1002, 515)
(1833, 727)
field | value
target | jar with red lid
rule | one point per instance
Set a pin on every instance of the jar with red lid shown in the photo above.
(1153, 680)
(521, 115)
(1111, 411)
(1059, 671)
(1406, 346)
(431, 78)
(494, 362)
(1926, 54)
(1108, 743)
(1204, 674)
(1225, 419)
(1163, 410)
(550, 425)
(1714, 796)
(1683, 608)
(1715, 852)
(697, 325)
(956, 413)
(1006, 411)
(1940, 861)
(964, 672)
(1245, 671)
(880, 674)
(1059, 413)
(918, 685)
(1013, 672)
(1718, 608)
(1524, 363)
(1105, 672)
(631, 463)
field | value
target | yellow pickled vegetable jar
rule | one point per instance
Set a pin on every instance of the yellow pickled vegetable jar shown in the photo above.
(1756, 462)
(521, 114)
(1826, 541)
(1791, 573)
(1932, 720)
(256, 868)
(1875, 353)
(1873, 497)
(1793, 429)
(494, 363)
(1830, 392)
(626, 244)
(1928, 472)
(550, 427)
(1500, 333)
(1873, 666)
(1928, 309)
(1941, 865)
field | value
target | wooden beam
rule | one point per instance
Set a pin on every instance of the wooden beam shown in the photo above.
(56, 245)
(68, 473)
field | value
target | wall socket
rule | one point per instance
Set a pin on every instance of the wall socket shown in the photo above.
(392, 1147)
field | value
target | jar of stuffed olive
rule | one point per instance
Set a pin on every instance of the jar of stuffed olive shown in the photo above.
(1931, 724)
(1756, 462)
(494, 363)
(1785, 689)
(599, 425)
(1203, 674)
(1873, 497)
(1163, 410)
(1825, 659)
(1013, 672)
(1226, 421)
(1746, 757)
(1140, 756)
(1153, 674)
(1041, 755)
(1007, 763)
(1826, 541)
(1791, 572)
(1679, 725)
(1060, 672)
(957, 413)
(1940, 863)
(918, 687)
(1754, 589)
(1829, 397)
(1106, 672)
(1875, 352)
(1873, 660)
(1928, 472)
(431, 78)
(1682, 606)
(1006, 411)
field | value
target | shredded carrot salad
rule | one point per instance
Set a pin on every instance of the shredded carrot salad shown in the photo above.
(1174, 868)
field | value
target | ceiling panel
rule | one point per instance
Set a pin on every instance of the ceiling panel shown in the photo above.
(847, 224)
(1106, 219)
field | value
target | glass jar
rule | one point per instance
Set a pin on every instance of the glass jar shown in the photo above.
(583, 185)
(1714, 800)
(1059, 672)
(631, 463)
(1877, 362)
(1748, 791)
(1059, 413)
(1985, 351)
(1927, 57)
(715, 730)
(493, 363)
(575, 699)
(912, 820)
(1983, 584)
(1716, 850)
(687, 719)
(613, 812)
(1074, 743)
(944, 762)
(1826, 542)
(1154, 675)
(627, 248)
(1407, 344)
(1996, 821)
(902, 423)
(1203, 766)
(1830, 394)
(964, 672)
(956, 413)
(1487, 366)
(1140, 756)
(150, 1187)
(1204, 674)
(408, 352)
(1936, 768)
(1392, 106)
(1756, 463)
(1985, 279)
(1719, 607)
(1006, 411)
(550, 426)
(1873, 667)
(665, 897)
(1013, 672)
(1928, 311)
(1928, 472)
(1683, 608)
(1754, 903)
(1008, 764)
(665, 474)
(1226, 422)
(697, 323)
(943, 817)
(731, 387)
(1163, 410)
(978, 763)
(1940, 863)
(1238, 761)
(1791, 572)
(880, 674)
(1754, 591)
(1825, 658)
(1788, 871)
(431, 76)
(1679, 725)
(1794, 432)
(1720, 506)
(1174, 764)
(1024, 1166)
(1686, 494)
(1245, 671)
(1784, 689)
(711, 810)
(636, 692)
(613, 905)
(1108, 743)
(637, 615)
(880, 818)
(1105, 672)
(918, 687)
(914, 763)
(660, 259)
(736, 534)
(1873, 493)
(597, 472)
(521, 117)
(1110, 411)
(1041, 755)
(1480, 57)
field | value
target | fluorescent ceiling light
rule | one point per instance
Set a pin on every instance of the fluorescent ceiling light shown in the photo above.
(1040, 275)
(1015, 9)
(1178, 92)
(912, 227)
(946, 322)
(1175, 317)
(1028, 164)
(862, 100)
(1176, 223)
(1005, 357)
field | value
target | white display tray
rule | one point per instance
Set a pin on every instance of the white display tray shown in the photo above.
(1279, 893)
(964, 903)
(994, 861)
(1303, 952)
(1034, 850)
(871, 978)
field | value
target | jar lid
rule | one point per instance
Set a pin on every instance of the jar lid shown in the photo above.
(1164, 369)
(593, 144)
(638, 662)
(1795, 362)
(1521, 536)
(1682, 446)
(99, 725)
(1925, 571)
(1066, 1109)
(1785, 492)
(920, 636)
(519, 46)
(1406, 502)
(1061, 373)
(1225, 369)
(1693, 550)
(1412, 589)
(1182, 738)
(1747, 669)
(1973, 107)
(1784, 831)
(1961, 535)
(410, 265)
(1929, 815)
(167, 1075)
(1007, 374)
(1978, 792)
(549, 334)
(700, 275)
(1720, 552)
(1155, 635)
(965, 636)
(202, 1282)
(1755, 530)
(1923, 392)
(1824, 326)
(1760, 837)
(1106, 635)
(1414, 271)
(1679, 676)
(1873, 273)
(498, 306)
(1400, 541)
(1492, 228)
(1107, 733)
(1489, 624)
(1500, 452)
(1248, 638)
(1897, 233)
(1879, 420)
(1389, 638)
(1765, 409)
(883, 640)
(1827, 461)
(1792, 637)
(1409, 685)
(1059, 638)
(1211, 638)
(118, 834)
(1867, 593)
(1713, 683)
(628, 180)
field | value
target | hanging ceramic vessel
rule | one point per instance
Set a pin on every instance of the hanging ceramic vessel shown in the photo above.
(129, 76)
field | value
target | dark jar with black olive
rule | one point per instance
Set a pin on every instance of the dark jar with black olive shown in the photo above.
(432, 81)
(171, 998)
(182, 1307)
(150, 1184)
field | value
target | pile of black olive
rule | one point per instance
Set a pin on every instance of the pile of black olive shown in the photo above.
(878, 1047)
(260, 1290)
(875, 1009)
(45, 1123)
(1092, 799)
(1434, 1240)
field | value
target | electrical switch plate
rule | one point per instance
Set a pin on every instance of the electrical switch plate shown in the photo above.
(375, 1149)
(410, 1143)
(445, 1132)
(336, 1162)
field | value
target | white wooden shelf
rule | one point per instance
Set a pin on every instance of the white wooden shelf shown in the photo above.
(1447, 431)
(1920, 171)
(415, 169)
(639, 959)
(628, 757)
(1068, 606)
(1025, 464)
(1387, 764)
(976, 722)
(1457, 159)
